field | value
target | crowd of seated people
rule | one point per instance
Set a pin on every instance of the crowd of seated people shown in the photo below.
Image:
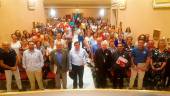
(112, 53)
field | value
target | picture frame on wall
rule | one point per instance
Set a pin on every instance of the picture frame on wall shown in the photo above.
(156, 34)
(119, 4)
(168, 45)
(161, 3)
(168, 42)
(31, 4)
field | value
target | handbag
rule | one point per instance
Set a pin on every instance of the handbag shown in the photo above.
(71, 74)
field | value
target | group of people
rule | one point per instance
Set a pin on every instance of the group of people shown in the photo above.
(127, 61)
(110, 51)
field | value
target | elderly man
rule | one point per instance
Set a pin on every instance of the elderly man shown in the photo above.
(59, 58)
(9, 61)
(33, 63)
(102, 60)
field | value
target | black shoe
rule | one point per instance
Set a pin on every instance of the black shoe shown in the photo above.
(20, 90)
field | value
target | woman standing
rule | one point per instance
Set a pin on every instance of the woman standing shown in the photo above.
(158, 62)
(15, 44)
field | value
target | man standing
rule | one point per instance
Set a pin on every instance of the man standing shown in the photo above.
(102, 61)
(77, 60)
(33, 63)
(140, 61)
(59, 58)
(121, 63)
(9, 61)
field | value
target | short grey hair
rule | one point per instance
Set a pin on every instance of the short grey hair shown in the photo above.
(105, 43)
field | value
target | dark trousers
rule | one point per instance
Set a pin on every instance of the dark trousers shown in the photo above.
(146, 81)
(78, 72)
(101, 77)
(118, 80)
(168, 82)
(167, 79)
(69, 44)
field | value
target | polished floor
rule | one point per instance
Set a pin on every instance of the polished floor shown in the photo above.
(87, 78)
(84, 92)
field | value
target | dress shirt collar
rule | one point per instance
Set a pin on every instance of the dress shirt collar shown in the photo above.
(31, 51)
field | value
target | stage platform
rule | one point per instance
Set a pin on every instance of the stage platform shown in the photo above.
(85, 92)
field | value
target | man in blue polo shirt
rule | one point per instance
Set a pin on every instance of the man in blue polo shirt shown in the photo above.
(140, 61)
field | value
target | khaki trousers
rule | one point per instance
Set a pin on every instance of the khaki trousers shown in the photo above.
(61, 80)
(8, 75)
(32, 75)
(140, 71)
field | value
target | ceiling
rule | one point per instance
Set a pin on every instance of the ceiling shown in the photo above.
(77, 2)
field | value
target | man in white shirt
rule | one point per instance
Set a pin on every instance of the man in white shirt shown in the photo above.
(33, 62)
(77, 60)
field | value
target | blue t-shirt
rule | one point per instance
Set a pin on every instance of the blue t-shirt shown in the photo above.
(140, 56)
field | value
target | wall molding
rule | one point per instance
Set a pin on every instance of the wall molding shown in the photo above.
(77, 7)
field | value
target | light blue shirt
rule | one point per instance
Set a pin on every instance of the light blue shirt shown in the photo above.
(32, 60)
(78, 58)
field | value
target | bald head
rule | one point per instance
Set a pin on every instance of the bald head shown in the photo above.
(5, 43)
(5, 46)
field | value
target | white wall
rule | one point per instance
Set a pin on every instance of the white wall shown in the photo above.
(94, 12)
